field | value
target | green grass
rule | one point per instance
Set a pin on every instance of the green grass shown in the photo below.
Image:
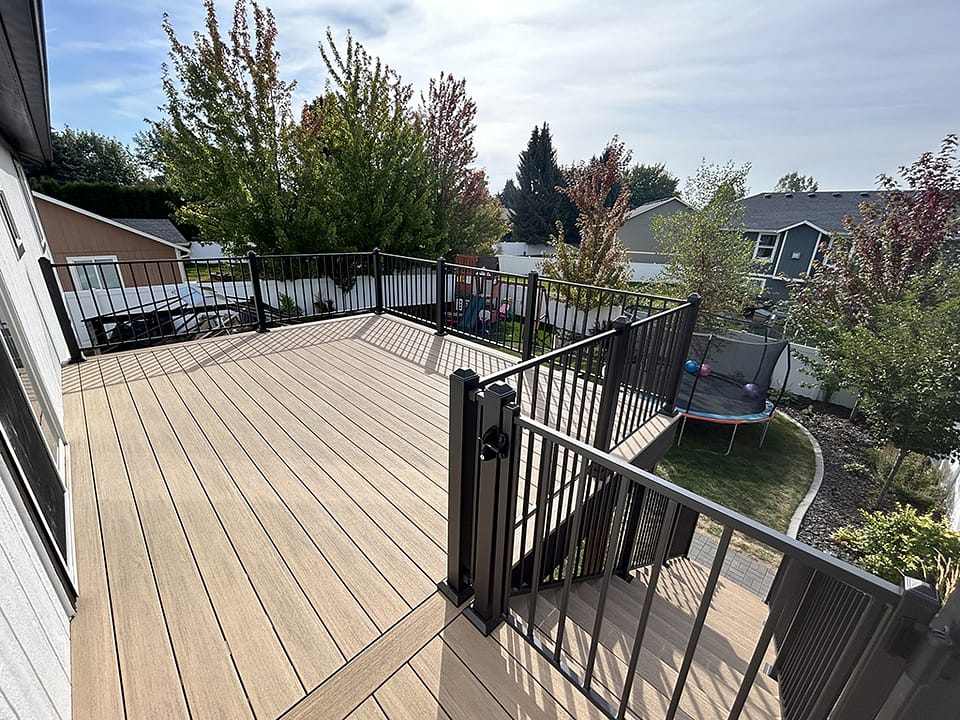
(765, 484)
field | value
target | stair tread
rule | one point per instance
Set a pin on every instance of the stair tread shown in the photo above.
(705, 695)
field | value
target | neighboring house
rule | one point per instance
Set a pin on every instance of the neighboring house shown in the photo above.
(637, 232)
(791, 231)
(37, 552)
(78, 236)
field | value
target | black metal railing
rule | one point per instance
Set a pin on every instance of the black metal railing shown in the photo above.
(825, 615)
(109, 305)
(601, 390)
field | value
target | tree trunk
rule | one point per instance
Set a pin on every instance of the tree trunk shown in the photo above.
(901, 456)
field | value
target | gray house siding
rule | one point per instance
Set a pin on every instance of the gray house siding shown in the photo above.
(637, 232)
(797, 248)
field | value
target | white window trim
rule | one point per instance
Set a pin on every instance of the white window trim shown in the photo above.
(81, 259)
(773, 248)
(15, 238)
(31, 207)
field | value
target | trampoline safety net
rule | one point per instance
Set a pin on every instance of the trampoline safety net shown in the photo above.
(725, 366)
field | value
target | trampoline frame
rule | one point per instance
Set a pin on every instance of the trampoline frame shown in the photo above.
(736, 420)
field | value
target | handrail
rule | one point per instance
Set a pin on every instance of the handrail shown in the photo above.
(817, 560)
(521, 367)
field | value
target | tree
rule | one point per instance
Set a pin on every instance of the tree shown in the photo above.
(795, 182)
(87, 156)
(906, 367)
(883, 311)
(381, 191)
(536, 201)
(228, 142)
(708, 251)
(648, 183)
(600, 259)
(465, 216)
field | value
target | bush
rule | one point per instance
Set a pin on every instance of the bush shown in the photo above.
(902, 542)
(289, 307)
(917, 482)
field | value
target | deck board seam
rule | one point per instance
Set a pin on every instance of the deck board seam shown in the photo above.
(347, 463)
(308, 489)
(143, 536)
(362, 430)
(186, 535)
(283, 501)
(103, 547)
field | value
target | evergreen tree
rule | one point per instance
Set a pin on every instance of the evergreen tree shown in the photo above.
(535, 202)
(648, 183)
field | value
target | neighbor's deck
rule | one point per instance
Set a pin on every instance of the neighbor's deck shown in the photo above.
(260, 526)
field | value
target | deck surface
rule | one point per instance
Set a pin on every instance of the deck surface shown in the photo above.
(260, 525)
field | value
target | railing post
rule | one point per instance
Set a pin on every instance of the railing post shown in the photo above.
(441, 295)
(60, 308)
(496, 508)
(257, 292)
(462, 464)
(530, 314)
(689, 326)
(377, 282)
(612, 379)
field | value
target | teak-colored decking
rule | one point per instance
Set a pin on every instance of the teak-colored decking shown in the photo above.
(260, 526)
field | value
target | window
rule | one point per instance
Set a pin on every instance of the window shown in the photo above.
(766, 249)
(95, 273)
(32, 207)
(11, 225)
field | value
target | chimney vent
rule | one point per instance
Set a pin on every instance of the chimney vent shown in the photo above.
(788, 195)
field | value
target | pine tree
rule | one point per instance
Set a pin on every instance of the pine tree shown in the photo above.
(535, 201)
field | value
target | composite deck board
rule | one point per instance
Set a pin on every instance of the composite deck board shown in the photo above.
(280, 499)
(203, 658)
(146, 665)
(285, 471)
(370, 510)
(303, 637)
(93, 658)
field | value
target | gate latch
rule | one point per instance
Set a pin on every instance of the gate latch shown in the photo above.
(493, 444)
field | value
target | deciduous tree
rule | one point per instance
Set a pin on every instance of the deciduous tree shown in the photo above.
(465, 216)
(883, 311)
(708, 250)
(795, 182)
(380, 184)
(601, 258)
(88, 156)
(227, 140)
(648, 183)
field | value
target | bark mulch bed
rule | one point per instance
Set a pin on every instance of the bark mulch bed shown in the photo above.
(846, 487)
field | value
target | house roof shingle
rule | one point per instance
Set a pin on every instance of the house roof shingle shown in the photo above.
(158, 227)
(826, 210)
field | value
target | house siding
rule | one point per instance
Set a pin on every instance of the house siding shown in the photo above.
(802, 240)
(34, 621)
(73, 234)
(637, 232)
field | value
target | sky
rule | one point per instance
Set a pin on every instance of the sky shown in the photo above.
(840, 90)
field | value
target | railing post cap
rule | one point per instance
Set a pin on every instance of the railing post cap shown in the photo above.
(694, 298)
(621, 323)
(251, 254)
(502, 391)
(465, 375)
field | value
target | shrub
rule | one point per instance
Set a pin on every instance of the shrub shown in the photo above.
(916, 483)
(289, 307)
(902, 542)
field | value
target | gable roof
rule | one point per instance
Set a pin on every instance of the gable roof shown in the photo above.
(158, 227)
(647, 207)
(825, 210)
(108, 221)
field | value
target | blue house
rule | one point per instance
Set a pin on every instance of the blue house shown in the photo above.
(791, 231)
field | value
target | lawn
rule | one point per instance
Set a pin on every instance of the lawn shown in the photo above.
(765, 484)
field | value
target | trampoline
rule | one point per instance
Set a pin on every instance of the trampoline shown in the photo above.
(727, 378)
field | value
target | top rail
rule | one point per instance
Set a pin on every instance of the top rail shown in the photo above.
(855, 577)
